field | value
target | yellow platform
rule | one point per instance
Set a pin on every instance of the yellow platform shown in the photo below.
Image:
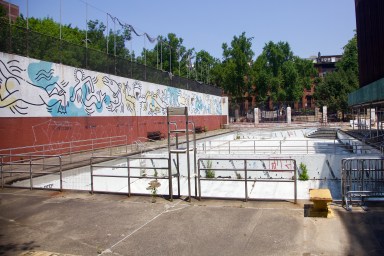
(321, 199)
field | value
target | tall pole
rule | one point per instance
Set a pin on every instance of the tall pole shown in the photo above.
(107, 34)
(130, 41)
(60, 21)
(145, 53)
(208, 74)
(201, 71)
(114, 32)
(161, 55)
(157, 55)
(61, 35)
(196, 69)
(179, 59)
(27, 15)
(170, 59)
(86, 24)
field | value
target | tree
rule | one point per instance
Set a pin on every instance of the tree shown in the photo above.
(74, 39)
(3, 12)
(166, 55)
(333, 90)
(204, 62)
(234, 74)
(279, 75)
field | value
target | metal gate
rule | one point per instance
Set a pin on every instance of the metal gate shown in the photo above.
(361, 179)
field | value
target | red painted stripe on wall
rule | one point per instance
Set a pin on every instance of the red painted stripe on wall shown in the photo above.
(29, 131)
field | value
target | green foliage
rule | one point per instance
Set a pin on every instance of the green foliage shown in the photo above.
(50, 48)
(235, 70)
(304, 172)
(332, 91)
(280, 75)
(3, 11)
(153, 186)
(209, 173)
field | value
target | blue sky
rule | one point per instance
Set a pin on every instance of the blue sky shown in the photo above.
(309, 26)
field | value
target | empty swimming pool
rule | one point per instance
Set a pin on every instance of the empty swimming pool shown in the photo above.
(249, 164)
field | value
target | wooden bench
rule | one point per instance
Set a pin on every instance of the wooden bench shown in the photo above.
(321, 199)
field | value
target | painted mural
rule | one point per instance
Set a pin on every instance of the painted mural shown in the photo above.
(34, 88)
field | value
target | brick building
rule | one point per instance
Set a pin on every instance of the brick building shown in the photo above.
(12, 10)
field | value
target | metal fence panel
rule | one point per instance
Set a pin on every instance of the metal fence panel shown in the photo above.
(361, 179)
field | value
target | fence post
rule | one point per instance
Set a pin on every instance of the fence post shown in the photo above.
(295, 180)
(246, 180)
(91, 175)
(198, 176)
(129, 177)
(280, 146)
(61, 175)
(126, 144)
(30, 172)
(110, 146)
(170, 188)
(1, 173)
(43, 157)
(70, 151)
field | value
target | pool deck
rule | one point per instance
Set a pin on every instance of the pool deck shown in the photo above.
(41, 222)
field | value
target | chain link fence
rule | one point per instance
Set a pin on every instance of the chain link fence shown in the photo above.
(29, 43)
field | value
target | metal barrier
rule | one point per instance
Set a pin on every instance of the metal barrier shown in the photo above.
(68, 148)
(126, 169)
(25, 168)
(247, 170)
(362, 178)
(284, 146)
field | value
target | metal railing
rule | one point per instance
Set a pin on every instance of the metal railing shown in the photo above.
(30, 167)
(361, 178)
(68, 148)
(283, 146)
(247, 170)
(129, 168)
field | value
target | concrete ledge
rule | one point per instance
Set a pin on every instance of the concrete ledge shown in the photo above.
(321, 199)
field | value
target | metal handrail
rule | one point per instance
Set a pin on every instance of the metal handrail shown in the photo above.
(249, 146)
(94, 163)
(32, 161)
(69, 147)
(247, 171)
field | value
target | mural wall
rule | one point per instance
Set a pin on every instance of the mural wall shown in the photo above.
(43, 103)
(36, 88)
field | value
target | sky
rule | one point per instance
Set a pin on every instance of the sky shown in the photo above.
(309, 26)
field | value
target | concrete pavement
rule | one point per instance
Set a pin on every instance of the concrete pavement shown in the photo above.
(79, 223)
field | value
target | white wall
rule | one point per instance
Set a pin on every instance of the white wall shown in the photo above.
(34, 88)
